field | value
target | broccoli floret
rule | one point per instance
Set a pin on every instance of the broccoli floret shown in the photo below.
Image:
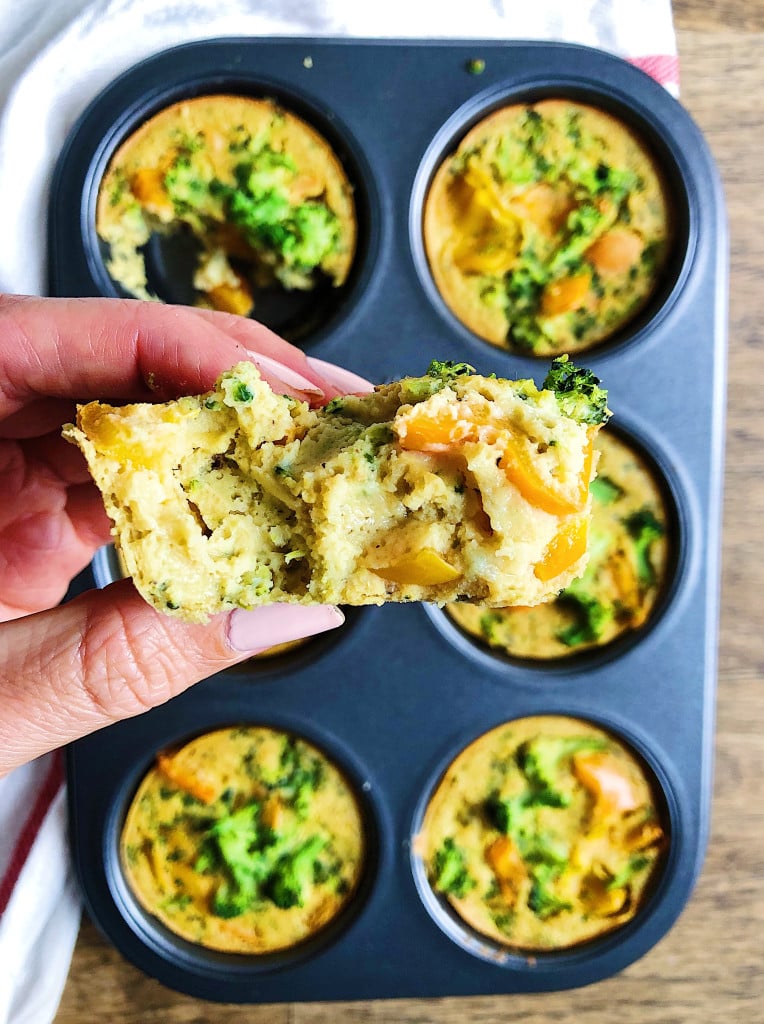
(447, 370)
(488, 623)
(231, 901)
(450, 870)
(542, 900)
(232, 843)
(605, 178)
(260, 863)
(644, 528)
(184, 186)
(295, 873)
(301, 235)
(507, 814)
(266, 170)
(590, 618)
(539, 760)
(578, 393)
(298, 777)
(315, 233)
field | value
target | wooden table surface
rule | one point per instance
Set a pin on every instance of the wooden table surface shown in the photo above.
(710, 967)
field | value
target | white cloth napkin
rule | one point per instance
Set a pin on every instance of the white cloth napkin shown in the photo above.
(54, 58)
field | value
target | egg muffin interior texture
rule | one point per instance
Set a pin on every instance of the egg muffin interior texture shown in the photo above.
(245, 840)
(543, 833)
(628, 547)
(430, 488)
(548, 228)
(260, 193)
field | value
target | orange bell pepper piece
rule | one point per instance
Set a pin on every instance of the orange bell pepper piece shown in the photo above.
(147, 185)
(200, 788)
(615, 251)
(419, 431)
(565, 548)
(232, 299)
(602, 776)
(508, 866)
(566, 294)
(543, 493)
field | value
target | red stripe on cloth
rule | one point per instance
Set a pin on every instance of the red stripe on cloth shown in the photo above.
(662, 67)
(45, 796)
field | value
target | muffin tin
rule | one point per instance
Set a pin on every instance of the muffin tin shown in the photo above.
(396, 693)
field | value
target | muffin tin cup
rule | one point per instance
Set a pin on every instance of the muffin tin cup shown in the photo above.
(581, 955)
(393, 696)
(682, 526)
(641, 118)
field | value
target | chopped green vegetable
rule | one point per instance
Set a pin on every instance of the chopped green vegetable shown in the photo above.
(591, 617)
(451, 875)
(542, 900)
(447, 370)
(605, 491)
(295, 874)
(301, 235)
(578, 392)
(260, 863)
(242, 392)
(488, 623)
(539, 760)
(644, 528)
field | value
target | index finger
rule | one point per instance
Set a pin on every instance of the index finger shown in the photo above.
(127, 350)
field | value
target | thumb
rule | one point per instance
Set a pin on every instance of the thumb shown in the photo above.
(108, 655)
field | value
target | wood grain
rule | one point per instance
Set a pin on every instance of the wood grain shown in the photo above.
(709, 967)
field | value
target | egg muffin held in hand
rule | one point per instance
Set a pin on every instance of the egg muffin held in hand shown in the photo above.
(543, 833)
(628, 549)
(549, 228)
(259, 192)
(245, 840)
(428, 489)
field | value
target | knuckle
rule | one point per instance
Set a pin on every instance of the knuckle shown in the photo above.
(130, 663)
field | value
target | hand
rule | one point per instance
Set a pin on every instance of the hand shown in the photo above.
(108, 655)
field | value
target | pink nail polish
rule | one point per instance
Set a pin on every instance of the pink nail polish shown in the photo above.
(256, 630)
(273, 368)
(344, 380)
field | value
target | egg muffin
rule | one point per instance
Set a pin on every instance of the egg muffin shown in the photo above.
(257, 191)
(543, 833)
(430, 488)
(628, 548)
(549, 227)
(246, 840)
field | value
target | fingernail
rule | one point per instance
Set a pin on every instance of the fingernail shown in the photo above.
(273, 368)
(256, 630)
(343, 380)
